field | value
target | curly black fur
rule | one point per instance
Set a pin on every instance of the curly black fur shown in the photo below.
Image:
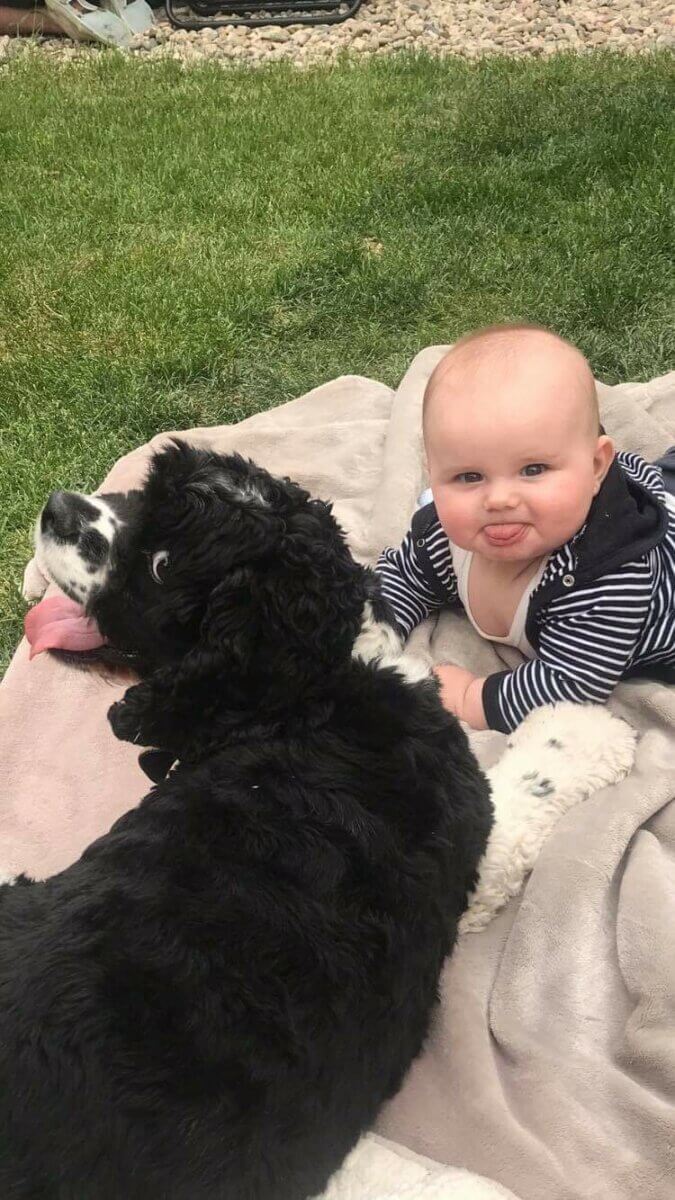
(215, 1001)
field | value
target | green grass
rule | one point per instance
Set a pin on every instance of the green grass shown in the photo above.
(183, 248)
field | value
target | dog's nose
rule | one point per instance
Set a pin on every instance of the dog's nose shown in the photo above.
(59, 516)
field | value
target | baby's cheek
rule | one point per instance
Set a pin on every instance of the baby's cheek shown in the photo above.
(459, 520)
(563, 507)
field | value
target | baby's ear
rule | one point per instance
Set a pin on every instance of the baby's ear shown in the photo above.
(603, 458)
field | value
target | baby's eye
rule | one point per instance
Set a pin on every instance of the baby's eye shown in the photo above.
(534, 469)
(468, 477)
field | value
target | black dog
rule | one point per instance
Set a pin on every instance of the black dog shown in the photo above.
(215, 1001)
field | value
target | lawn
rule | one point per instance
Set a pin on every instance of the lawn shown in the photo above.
(184, 248)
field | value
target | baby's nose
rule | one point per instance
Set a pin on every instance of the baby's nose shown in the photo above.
(501, 494)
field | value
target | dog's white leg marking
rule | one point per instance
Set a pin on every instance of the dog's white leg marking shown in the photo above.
(561, 754)
(377, 639)
(379, 642)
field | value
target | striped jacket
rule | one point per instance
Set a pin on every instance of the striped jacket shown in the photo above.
(604, 608)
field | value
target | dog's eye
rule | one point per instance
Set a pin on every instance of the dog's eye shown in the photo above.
(158, 565)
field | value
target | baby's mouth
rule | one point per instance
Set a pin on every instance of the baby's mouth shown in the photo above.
(504, 535)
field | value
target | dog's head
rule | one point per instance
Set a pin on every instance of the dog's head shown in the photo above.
(214, 572)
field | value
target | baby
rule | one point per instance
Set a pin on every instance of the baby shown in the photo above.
(550, 541)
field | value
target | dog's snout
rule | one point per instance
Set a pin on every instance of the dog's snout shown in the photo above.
(60, 517)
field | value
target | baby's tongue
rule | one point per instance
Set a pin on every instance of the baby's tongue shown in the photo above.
(58, 623)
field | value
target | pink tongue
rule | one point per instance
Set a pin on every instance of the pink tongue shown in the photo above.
(502, 533)
(58, 623)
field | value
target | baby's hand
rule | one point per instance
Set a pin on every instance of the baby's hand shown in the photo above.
(459, 696)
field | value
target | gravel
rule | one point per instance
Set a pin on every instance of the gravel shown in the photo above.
(466, 27)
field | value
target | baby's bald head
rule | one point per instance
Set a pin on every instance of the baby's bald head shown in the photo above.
(515, 353)
(512, 439)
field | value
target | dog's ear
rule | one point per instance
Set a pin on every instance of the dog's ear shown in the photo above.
(166, 709)
(230, 628)
(312, 601)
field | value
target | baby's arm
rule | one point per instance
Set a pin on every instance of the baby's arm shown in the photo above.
(410, 584)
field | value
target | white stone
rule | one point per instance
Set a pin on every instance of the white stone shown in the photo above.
(274, 35)
(467, 27)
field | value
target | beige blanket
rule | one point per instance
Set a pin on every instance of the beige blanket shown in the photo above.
(551, 1068)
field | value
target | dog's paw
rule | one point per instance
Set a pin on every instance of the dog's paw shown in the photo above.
(34, 583)
(570, 747)
(558, 757)
(124, 723)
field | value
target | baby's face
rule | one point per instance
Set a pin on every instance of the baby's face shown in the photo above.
(514, 463)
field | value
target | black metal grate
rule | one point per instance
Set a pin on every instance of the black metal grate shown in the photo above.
(206, 14)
